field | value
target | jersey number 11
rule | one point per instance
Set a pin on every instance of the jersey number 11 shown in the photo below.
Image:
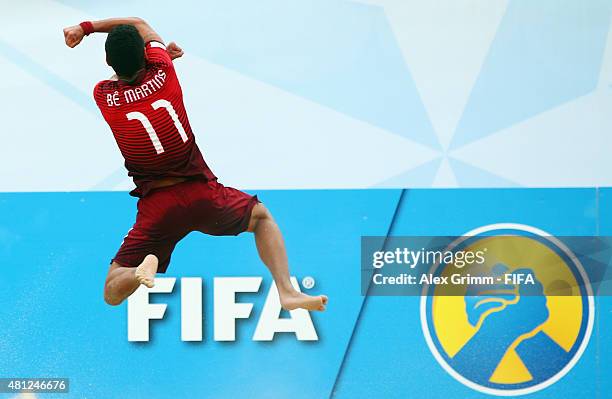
(149, 128)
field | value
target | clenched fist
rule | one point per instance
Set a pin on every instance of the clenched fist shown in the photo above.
(174, 51)
(73, 35)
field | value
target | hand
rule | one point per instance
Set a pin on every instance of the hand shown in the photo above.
(174, 51)
(73, 35)
(502, 316)
(481, 299)
(517, 314)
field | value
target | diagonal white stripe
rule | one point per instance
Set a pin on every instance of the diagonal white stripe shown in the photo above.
(444, 43)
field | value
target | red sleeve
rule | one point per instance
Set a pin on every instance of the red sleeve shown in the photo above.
(157, 55)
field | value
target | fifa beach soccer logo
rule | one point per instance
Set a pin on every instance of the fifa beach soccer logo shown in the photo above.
(511, 339)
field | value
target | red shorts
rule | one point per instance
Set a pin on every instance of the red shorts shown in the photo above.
(168, 214)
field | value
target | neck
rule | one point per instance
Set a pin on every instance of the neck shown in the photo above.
(133, 78)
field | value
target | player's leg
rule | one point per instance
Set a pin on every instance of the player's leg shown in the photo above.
(271, 248)
(222, 211)
(122, 281)
(147, 248)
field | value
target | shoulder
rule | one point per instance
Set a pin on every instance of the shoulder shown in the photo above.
(157, 55)
(105, 86)
(106, 92)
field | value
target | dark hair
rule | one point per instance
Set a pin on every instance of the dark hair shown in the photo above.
(125, 50)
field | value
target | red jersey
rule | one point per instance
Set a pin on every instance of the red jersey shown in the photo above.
(150, 124)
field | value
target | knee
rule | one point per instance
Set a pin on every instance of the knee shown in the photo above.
(109, 295)
(260, 213)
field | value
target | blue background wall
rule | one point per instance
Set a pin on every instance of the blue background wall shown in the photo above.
(56, 324)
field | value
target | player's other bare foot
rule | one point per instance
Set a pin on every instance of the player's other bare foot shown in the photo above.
(298, 300)
(145, 272)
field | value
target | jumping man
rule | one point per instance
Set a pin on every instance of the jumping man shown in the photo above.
(178, 193)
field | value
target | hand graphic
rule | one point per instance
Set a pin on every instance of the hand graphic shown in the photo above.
(481, 299)
(502, 314)
(524, 313)
(520, 309)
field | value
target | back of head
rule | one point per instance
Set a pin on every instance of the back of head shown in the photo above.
(125, 50)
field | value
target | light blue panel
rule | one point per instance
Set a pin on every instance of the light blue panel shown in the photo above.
(389, 355)
(341, 54)
(471, 176)
(55, 250)
(421, 176)
(544, 54)
(9, 53)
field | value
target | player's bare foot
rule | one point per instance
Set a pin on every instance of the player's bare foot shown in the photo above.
(303, 301)
(145, 272)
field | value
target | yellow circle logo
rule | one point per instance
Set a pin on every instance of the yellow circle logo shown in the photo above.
(510, 338)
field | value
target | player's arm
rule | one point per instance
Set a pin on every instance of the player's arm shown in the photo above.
(73, 35)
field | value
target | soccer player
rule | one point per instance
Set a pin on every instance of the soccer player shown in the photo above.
(178, 193)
